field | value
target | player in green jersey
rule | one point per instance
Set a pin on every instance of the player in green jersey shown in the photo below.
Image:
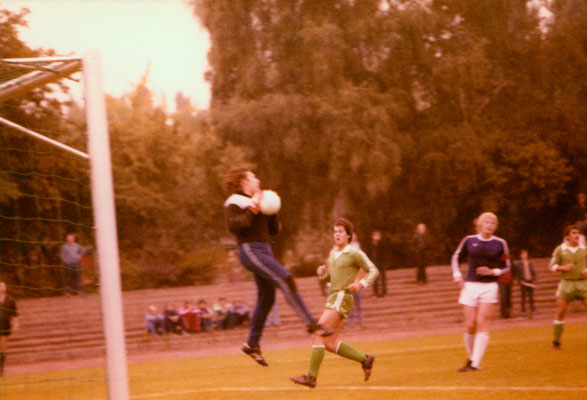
(569, 260)
(349, 271)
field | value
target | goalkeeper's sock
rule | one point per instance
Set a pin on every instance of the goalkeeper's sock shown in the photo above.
(348, 351)
(316, 360)
(558, 330)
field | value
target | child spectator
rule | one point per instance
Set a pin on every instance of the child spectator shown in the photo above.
(191, 317)
(206, 316)
(526, 276)
(238, 315)
(154, 321)
(173, 321)
(221, 309)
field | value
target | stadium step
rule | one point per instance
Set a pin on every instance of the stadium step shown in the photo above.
(74, 329)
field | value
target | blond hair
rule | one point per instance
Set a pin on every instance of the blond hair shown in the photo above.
(483, 217)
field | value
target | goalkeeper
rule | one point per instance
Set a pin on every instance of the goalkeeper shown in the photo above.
(253, 229)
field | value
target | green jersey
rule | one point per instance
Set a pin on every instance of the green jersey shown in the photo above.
(564, 255)
(343, 267)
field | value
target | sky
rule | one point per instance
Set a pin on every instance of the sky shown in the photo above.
(162, 37)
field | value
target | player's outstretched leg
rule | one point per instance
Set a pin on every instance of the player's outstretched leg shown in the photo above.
(255, 354)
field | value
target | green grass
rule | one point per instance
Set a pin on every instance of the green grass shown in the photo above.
(518, 365)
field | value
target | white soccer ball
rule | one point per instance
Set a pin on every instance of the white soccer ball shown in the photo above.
(270, 203)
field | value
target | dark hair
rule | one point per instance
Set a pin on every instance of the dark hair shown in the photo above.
(569, 228)
(231, 181)
(347, 225)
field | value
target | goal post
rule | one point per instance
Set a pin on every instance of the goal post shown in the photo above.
(105, 227)
(102, 191)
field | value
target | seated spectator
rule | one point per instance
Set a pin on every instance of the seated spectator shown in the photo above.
(173, 321)
(238, 314)
(206, 316)
(221, 309)
(191, 317)
(154, 321)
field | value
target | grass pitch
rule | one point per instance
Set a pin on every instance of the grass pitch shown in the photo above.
(519, 364)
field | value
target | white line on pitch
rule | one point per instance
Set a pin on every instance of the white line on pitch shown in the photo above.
(372, 388)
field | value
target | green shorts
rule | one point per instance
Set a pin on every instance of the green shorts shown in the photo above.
(341, 301)
(572, 290)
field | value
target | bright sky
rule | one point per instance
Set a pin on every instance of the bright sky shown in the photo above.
(132, 36)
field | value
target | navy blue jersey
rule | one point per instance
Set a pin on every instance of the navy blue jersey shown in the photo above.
(478, 252)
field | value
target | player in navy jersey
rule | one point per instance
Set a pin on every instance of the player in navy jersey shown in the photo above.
(487, 257)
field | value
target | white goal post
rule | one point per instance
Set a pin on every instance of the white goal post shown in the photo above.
(102, 192)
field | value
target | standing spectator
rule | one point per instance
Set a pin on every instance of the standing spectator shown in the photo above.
(206, 316)
(71, 253)
(578, 213)
(375, 253)
(420, 243)
(154, 321)
(357, 310)
(8, 321)
(505, 283)
(273, 317)
(238, 315)
(253, 230)
(173, 321)
(526, 276)
(191, 317)
(488, 258)
(349, 270)
(569, 260)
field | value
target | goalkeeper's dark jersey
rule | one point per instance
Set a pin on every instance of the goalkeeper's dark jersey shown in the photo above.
(246, 225)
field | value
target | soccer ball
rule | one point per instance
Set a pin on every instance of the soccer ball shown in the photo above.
(270, 203)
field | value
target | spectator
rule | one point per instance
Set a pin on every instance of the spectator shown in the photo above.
(357, 310)
(375, 253)
(71, 253)
(173, 321)
(273, 317)
(191, 317)
(238, 315)
(154, 321)
(8, 322)
(578, 213)
(505, 283)
(526, 276)
(206, 316)
(221, 309)
(420, 243)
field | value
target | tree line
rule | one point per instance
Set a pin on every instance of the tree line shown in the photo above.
(388, 112)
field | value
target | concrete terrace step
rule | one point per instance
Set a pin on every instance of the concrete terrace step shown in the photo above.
(75, 327)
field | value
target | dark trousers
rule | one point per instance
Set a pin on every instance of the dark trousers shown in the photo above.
(527, 293)
(72, 278)
(269, 274)
(380, 284)
(421, 275)
(505, 299)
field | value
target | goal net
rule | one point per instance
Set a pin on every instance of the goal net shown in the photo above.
(58, 243)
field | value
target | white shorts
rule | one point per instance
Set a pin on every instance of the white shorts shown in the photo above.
(475, 293)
